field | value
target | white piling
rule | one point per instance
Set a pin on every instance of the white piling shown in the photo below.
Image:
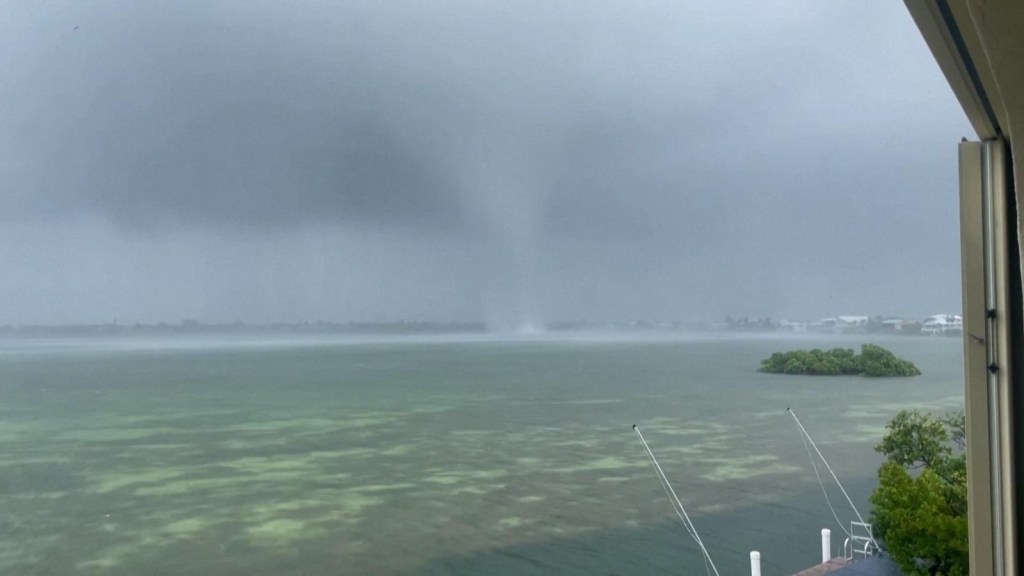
(826, 545)
(755, 563)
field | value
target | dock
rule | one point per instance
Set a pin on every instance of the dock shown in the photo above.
(830, 566)
(871, 566)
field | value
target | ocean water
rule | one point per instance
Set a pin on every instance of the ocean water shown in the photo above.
(420, 456)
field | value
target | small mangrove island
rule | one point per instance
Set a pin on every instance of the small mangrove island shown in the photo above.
(873, 361)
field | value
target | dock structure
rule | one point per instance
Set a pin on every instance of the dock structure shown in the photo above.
(869, 563)
(824, 568)
(873, 566)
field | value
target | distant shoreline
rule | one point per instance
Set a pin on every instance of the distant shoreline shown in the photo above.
(193, 328)
(190, 328)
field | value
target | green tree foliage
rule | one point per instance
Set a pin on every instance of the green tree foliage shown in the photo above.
(873, 361)
(920, 506)
(877, 361)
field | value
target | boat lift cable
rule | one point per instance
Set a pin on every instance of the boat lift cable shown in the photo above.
(677, 505)
(808, 439)
(822, 486)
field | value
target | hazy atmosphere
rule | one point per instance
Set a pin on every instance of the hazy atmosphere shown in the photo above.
(502, 162)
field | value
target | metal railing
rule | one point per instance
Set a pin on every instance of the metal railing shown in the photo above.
(861, 543)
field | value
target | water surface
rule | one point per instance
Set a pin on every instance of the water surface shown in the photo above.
(454, 456)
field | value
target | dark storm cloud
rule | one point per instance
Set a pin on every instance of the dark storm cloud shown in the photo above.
(435, 159)
(237, 113)
(194, 114)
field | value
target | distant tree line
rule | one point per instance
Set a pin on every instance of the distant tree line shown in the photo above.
(765, 324)
(192, 327)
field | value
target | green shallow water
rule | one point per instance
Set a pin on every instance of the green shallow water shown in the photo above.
(433, 457)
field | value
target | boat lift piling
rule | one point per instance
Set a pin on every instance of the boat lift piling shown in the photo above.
(755, 563)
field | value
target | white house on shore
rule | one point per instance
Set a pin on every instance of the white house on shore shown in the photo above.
(851, 324)
(841, 324)
(939, 324)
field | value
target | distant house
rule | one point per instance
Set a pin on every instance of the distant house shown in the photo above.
(942, 324)
(848, 324)
(840, 324)
(892, 325)
(792, 326)
(824, 325)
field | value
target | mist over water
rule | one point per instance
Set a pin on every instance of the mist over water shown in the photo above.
(461, 455)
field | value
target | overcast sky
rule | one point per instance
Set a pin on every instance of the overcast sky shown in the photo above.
(513, 162)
